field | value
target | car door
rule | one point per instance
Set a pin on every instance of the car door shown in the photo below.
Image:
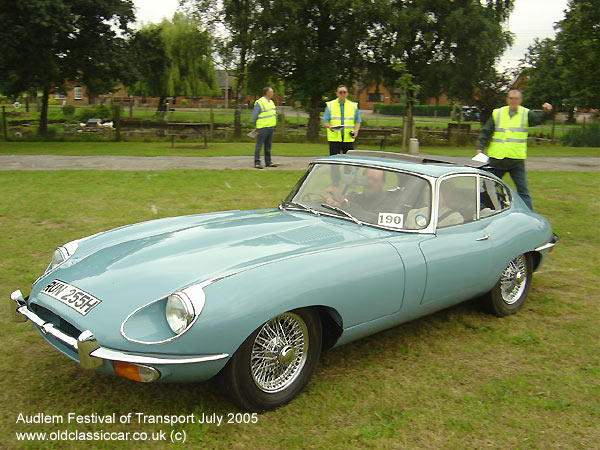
(457, 256)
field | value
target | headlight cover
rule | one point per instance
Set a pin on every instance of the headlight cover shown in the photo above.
(179, 312)
(183, 307)
(61, 254)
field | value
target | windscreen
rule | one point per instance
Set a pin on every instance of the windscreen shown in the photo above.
(368, 195)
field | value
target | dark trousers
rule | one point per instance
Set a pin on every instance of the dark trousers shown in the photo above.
(340, 147)
(516, 169)
(265, 136)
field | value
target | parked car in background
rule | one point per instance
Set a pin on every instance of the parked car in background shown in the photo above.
(363, 242)
(470, 113)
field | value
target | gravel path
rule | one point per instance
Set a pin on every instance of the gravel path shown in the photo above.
(52, 162)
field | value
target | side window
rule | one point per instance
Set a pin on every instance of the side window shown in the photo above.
(494, 197)
(457, 200)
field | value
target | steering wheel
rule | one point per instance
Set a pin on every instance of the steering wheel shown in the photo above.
(313, 197)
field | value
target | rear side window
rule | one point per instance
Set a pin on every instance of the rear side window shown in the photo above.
(457, 200)
(493, 197)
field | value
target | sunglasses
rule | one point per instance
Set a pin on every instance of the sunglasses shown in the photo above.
(342, 92)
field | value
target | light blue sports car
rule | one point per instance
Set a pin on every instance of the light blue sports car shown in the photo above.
(364, 242)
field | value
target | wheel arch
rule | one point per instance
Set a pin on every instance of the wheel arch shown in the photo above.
(331, 325)
(536, 258)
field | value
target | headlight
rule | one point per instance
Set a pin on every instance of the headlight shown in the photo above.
(179, 312)
(62, 253)
(58, 257)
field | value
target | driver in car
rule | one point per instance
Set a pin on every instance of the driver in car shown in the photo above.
(367, 204)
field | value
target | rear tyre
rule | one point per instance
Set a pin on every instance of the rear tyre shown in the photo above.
(509, 294)
(275, 362)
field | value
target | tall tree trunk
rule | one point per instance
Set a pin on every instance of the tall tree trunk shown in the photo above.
(43, 129)
(314, 115)
(241, 76)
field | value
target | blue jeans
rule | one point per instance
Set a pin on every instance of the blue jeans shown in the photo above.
(516, 169)
(265, 136)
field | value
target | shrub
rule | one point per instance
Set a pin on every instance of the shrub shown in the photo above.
(418, 110)
(578, 138)
(98, 112)
(68, 110)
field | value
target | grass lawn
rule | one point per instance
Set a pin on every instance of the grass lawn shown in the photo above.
(240, 148)
(456, 379)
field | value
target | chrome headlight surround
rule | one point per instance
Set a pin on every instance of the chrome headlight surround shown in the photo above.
(183, 307)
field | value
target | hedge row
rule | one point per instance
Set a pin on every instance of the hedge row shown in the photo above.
(418, 110)
(580, 137)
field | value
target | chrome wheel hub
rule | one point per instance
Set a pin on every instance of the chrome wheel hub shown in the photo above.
(279, 352)
(514, 280)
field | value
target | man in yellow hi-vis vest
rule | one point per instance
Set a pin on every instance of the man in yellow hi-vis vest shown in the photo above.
(264, 118)
(342, 120)
(506, 132)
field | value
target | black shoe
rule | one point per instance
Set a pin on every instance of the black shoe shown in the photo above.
(271, 165)
(258, 166)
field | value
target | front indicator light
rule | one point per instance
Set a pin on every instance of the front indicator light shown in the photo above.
(136, 372)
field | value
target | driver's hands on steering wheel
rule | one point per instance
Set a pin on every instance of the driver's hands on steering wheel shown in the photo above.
(336, 196)
(332, 202)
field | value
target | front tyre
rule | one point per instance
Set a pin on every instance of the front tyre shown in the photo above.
(509, 294)
(275, 362)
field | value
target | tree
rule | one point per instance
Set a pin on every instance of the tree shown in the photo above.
(564, 70)
(44, 43)
(149, 63)
(240, 21)
(578, 42)
(172, 59)
(448, 47)
(315, 45)
(542, 65)
(490, 91)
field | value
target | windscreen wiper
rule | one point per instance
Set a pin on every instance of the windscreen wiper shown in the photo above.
(285, 203)
(346, 213)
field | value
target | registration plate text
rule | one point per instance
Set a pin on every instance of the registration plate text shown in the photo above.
(79, 300)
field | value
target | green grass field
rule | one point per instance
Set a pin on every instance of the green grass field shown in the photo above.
(456, 379)
(241, 148)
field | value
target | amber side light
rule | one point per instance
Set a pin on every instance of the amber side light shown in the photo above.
(127, 370)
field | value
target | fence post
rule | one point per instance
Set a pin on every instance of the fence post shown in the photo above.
(4, 123)
(212, 122)
(404, 130)
(583, 132)
(117, 121)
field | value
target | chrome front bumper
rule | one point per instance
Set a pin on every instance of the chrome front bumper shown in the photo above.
(550, 245)
(91, 354)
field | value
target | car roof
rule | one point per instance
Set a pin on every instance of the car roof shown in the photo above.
(430, 165)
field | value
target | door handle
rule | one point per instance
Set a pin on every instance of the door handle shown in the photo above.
(483, 238)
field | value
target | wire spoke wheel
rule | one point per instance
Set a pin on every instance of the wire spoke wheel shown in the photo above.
(511, 290)
(514, 280)
(279, 352)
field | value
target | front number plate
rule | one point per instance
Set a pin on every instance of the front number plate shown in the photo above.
(79, 300)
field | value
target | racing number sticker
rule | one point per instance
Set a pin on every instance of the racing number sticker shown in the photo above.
(391, 220)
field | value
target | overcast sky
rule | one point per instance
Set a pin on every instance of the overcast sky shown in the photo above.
(530, 19)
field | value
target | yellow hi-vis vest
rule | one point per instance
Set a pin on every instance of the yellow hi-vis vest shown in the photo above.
(510, 135)
(335, 119)
(267, 117)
